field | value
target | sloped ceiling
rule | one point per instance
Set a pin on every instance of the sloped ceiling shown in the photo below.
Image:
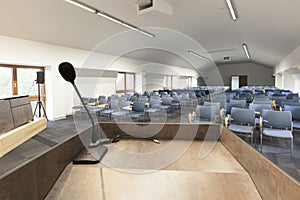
(271, 29)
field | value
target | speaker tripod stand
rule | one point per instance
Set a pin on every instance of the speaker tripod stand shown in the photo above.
(39, 105)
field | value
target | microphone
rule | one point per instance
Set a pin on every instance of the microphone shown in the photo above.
(67, 71)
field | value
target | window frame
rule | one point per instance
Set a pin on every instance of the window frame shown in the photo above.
(125, 85)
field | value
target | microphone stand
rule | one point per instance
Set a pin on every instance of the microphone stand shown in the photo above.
(95, 136)
(86, 157)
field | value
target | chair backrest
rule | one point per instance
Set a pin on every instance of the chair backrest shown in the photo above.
(289, 103)
(262, 102)
(216, 104)
(124, 104)
(154, 102)
(114, 104)
(238, 101)
(259, 108)
(248, 97)
(166, 100)
(295, 110)
(103, 101)
(142, 99)
(101, 97)
(206, 112)
(184, 96)
(278, 99)
(133, 98)
(138, 107)
(229, 106)
(277, 119)
(262, 97)
(242, 115)
(92, 100)
(114, 96)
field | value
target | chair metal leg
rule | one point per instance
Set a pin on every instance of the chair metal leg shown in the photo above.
(292, 145)
(261, 143)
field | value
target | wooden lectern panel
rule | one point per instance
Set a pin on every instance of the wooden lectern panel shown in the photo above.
(6, 120)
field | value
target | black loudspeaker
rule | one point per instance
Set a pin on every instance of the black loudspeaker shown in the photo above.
(40, 78)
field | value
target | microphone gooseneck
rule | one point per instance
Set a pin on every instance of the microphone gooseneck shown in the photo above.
(67, 71)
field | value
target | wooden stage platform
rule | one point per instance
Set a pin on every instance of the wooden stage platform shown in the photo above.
(217, 176)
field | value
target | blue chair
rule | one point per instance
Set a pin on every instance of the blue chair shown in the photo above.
(121, 113)
(258, 108)
(205, 115)
(138, 111)
(243, 102)
(295, 110)
(242, 121)
(112, 107)
(277, 124)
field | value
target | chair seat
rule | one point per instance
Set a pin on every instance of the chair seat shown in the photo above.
(119, 113)
(135, 115)
(107, 111)
(277, 133)
(296, 125)
(240, 128)
(152, 110)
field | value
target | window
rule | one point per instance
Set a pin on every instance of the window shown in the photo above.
(21, 80)
(125, 83)
(6, 84)
(190, 81)
(168, 82)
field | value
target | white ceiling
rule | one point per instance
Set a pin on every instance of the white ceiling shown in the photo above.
(271, 29)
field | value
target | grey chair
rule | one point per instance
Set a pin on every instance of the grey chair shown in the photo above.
(262, 102)
(154, 110)
(138, 111)
(242, 122)
(167, 103)
(121, 113)
(258, 108)
(205, 115)
(243, 102)
(142, 99)
(218, 107)
(113, 106)
(277, 124)
(295, 110)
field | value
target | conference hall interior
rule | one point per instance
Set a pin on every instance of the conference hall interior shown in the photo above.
(149, 99)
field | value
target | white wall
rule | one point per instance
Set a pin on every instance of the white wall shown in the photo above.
(288, 81)
(179, 83)
(257, 74)
(289, 70)
(58, 98)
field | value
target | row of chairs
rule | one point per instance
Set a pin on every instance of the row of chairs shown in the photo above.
(244, 121)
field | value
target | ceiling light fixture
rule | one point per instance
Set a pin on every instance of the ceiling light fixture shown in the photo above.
(81, 5)
(246, 50)
(231, 10)
(200, 56)
(109, 17)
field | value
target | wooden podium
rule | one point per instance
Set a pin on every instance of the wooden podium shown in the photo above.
(16, 125)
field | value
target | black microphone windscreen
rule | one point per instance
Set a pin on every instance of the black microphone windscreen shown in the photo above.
(67, 71)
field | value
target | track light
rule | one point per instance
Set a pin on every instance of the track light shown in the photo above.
(109, 17)
(231, 10)
(81, 5)
(246, 50)
(200, 56)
